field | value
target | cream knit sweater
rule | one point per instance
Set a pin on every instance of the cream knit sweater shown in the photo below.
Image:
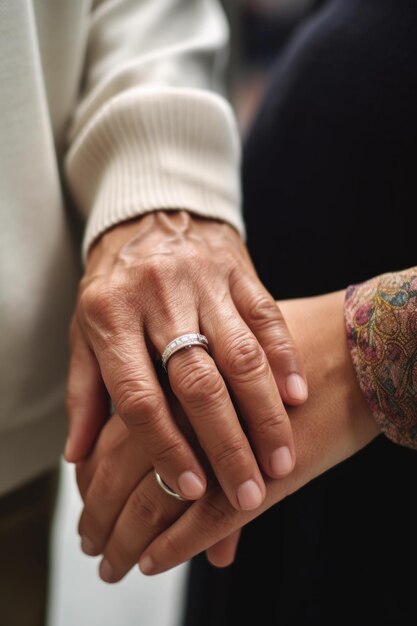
(107, 110)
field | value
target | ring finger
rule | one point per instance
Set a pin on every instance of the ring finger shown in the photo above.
(148, 511)
(197, 383)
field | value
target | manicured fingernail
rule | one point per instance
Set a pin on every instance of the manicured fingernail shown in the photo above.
(281, 461)
(107, 572)
(191, 485)
(249, 495)
(296, 387)
(146, 565)
(87, 546)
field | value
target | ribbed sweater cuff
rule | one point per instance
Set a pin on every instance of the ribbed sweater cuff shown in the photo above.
(150, 149)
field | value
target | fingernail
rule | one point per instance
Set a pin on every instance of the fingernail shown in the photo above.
(106, 572)
(249, 495)
(191, 485)
(281, 461)
(296, 387)
(146, 565)
(87, 546)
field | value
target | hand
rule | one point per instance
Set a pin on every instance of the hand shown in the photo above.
(141, 520)
(112, 483)
(147, 282)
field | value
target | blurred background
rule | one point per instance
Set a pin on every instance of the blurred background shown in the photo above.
(260, 29)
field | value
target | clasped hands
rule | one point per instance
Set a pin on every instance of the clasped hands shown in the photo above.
(217, 428)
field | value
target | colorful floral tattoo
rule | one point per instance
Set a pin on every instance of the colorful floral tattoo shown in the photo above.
(381, 324)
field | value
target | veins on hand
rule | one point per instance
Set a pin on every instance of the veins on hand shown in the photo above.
(160, 233)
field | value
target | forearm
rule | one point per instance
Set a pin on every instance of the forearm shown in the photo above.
(336, 416)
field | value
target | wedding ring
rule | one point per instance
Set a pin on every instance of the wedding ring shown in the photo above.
(184, 341)
(165, 487)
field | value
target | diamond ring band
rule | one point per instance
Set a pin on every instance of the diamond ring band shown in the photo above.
(183, 341)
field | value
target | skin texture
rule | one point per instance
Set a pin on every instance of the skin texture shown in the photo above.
(128, 517)
(147, 282)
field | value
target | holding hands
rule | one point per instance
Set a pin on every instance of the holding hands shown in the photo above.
(128, 518)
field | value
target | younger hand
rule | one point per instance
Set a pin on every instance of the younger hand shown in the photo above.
(118, 486)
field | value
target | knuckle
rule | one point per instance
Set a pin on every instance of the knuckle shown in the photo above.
(93, 299)
(198, 382)
(264, 311)
(167, 283)
(171, 548)
(213, 516)
(143, 510)
(160, 276)
(265, 425)
(106, 484)
(156, 269)
(281, 349)
(99, 305)
(171, 450)
(138, 406)
(230, 453)
(245, 356)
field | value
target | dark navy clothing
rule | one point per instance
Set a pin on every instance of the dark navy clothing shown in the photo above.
(330, 199)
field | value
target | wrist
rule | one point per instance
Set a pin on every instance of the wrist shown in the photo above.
(317, 325)
(150, 232)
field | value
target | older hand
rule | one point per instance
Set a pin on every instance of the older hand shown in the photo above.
(127, 519)
(148, 282)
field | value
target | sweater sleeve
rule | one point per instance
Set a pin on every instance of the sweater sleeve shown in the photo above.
(153, 128)
(381, 325)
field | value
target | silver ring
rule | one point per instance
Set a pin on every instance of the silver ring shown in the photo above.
(165, 487)
(184, 341)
